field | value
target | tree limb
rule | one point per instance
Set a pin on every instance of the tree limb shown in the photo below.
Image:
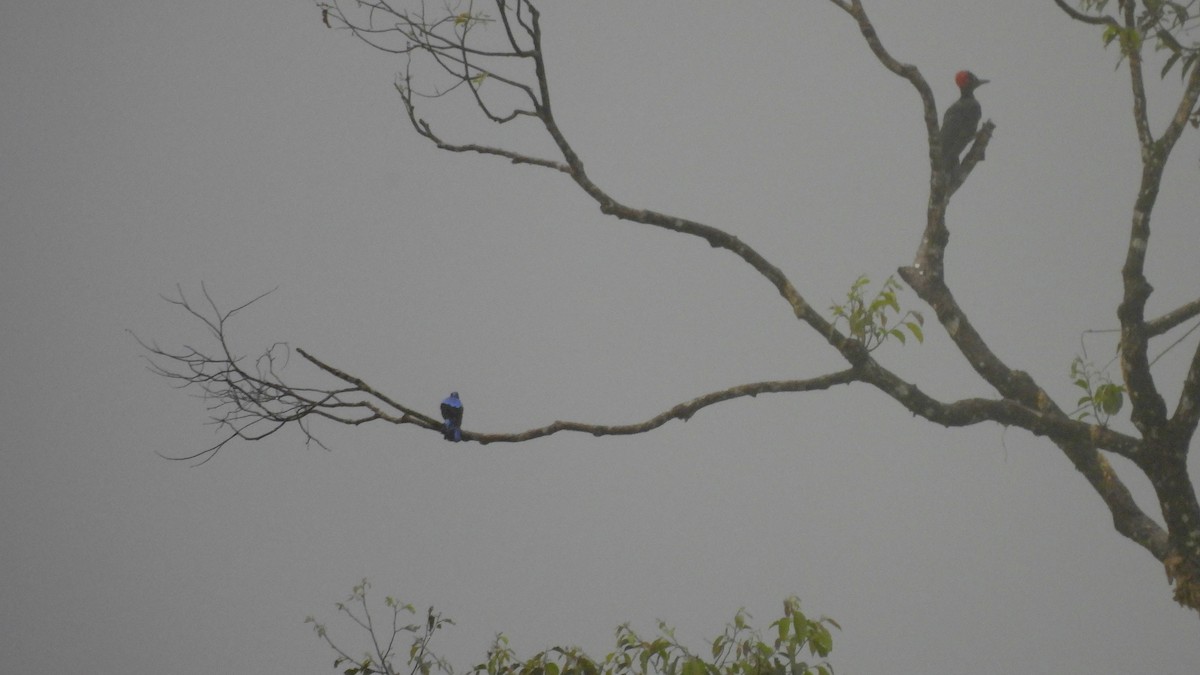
(251, 400)
(1085, 18)
(1187, 412)
(683, 411)
(1173, 318)
(1133, 53)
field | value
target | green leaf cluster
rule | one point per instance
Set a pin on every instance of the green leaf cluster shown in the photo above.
(469, 19)
(740, 650)
(1102, 398)
(870, 321)
(1172, 24)
(794, 641)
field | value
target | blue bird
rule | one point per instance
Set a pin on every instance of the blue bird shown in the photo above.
(452, 413)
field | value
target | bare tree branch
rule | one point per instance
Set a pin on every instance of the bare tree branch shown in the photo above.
(909, 72)
(1187, 412)
(1085, 18)
(1173, 318)
(1184, 112)
(683, 411)
(1149, 409)
(1131, 50)
(279, 403)
(1128, 518)
(251, 400)
(408, 415)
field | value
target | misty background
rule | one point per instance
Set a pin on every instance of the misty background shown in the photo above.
(244, 145)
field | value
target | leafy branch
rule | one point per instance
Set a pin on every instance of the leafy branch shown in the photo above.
(1102, 398)
(795, 641)
(379, 658)
(867, 321)
(1168, 22)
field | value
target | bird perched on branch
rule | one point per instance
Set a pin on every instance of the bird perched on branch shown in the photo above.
(961, 120)
(452, 414)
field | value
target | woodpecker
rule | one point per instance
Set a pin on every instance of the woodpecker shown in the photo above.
(961, 120)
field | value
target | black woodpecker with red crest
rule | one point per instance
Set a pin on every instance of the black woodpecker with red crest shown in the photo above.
(961, 120)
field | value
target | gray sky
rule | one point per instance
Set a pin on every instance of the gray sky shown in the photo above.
(146, 144)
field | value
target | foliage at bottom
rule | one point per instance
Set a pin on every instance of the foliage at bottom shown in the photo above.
(792, 641)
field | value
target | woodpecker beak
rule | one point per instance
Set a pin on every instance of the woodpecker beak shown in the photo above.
(979, 81)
